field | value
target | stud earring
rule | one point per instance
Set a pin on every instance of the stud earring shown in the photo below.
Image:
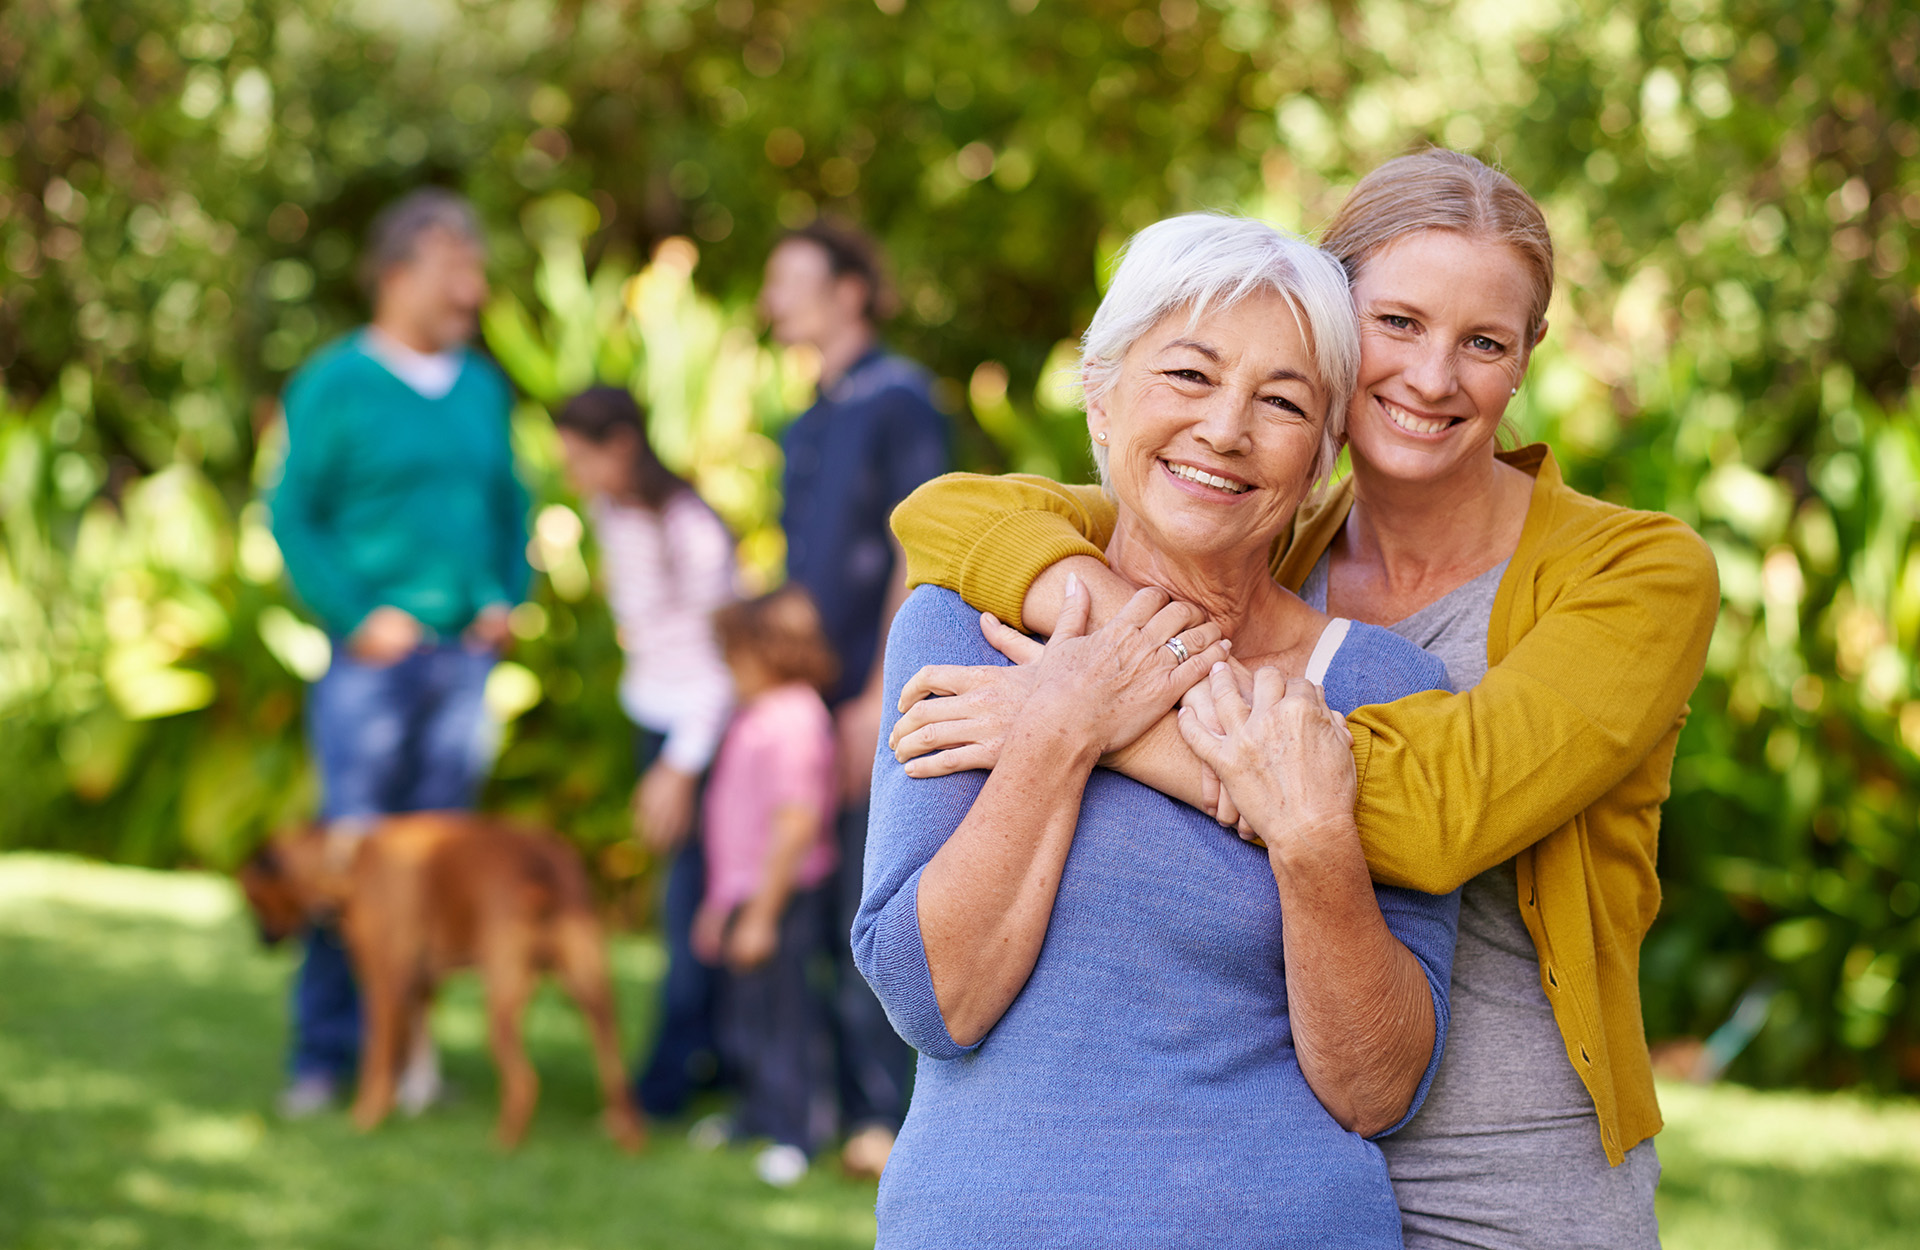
(1102, 436)
(1514, 391)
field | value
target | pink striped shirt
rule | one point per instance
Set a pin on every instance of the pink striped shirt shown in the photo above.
(666, 574)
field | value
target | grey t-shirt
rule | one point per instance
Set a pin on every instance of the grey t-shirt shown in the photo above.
(1505, 1154)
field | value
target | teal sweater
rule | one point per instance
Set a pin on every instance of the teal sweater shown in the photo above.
(388, 497)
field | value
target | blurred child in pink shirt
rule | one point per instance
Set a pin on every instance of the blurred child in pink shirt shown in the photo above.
(768, 818)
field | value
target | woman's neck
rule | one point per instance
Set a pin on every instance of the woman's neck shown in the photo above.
(1415, 535)
(1236, 590)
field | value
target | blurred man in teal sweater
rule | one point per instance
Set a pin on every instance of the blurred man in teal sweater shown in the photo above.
(404, 529)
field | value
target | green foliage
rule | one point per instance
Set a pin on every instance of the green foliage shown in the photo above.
(1733, 188)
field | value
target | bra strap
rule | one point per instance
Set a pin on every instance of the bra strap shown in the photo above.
(1324, 650)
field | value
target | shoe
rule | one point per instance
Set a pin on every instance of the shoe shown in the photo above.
(781, 1166)
(420, 1085)
(308, 1095)
(865, 1154)
(710, 1132)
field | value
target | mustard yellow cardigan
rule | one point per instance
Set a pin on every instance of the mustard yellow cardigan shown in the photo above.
(1558, 760)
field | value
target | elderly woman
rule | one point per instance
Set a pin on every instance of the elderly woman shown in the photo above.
(1134, 1030)
(1574, 631)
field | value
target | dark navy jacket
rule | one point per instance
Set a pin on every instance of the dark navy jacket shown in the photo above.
(866, 443)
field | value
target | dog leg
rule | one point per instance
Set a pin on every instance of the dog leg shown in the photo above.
(509, 972)
(581, 960)
(420, 1084)
(382, 1040)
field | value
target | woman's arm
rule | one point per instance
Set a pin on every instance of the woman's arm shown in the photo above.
(1603, 674)
(1565, 716)
(987, 539)
(974, 913)
(1365, 1011)
(986, 897)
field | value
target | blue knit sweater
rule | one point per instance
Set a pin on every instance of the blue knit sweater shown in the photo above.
(1143, 1089)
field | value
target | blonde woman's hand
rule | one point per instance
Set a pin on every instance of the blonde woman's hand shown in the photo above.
(954, 718)
(1285, 759)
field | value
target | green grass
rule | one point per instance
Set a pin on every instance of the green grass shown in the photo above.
(141, 1028)
(140, 1031)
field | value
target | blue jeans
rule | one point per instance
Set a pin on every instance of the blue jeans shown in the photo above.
(686, 1053)
(408, 737)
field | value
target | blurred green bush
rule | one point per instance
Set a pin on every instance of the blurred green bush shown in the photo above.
(1733, 185)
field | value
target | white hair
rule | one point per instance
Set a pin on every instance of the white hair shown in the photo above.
(1205, 262)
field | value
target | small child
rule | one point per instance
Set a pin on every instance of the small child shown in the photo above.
(769, 809)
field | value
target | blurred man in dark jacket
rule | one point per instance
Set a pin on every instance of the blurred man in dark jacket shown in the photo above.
(871, 436)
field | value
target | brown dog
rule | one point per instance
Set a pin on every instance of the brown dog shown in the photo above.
(424, 894)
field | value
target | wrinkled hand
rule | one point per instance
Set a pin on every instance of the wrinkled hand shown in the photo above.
(955, 717)
(754, 938)
(1286, 760)
(387, 636)
(1108, 687)
(663, 806)
(1215, 800)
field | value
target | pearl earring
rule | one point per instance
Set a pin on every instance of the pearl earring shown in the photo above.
(1514, 391)
(1101, 436)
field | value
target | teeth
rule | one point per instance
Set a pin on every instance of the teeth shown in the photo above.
(1207, 479)
(1412, 424)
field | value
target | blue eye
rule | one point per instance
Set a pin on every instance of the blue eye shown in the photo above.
(1486, 344)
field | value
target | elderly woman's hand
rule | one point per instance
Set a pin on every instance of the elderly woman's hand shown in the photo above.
(1106, 688)
(1286, 760)
(955, 717)
(1214, 799)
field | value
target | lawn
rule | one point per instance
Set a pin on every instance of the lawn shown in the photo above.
(140, 1025)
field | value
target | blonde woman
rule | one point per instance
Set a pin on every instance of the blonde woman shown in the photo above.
(1573, 631)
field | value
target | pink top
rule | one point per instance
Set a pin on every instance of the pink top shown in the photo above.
(779, 750)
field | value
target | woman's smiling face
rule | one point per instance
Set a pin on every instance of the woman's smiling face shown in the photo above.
(1212, 428)
(1443, 320)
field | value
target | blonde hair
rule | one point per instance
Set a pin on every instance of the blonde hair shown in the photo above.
(1206, 262)
(1441, 189)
